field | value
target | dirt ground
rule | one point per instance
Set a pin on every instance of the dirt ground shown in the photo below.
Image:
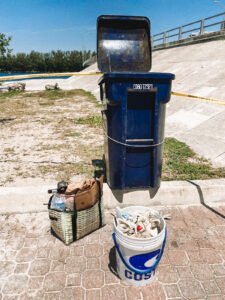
(48, 136)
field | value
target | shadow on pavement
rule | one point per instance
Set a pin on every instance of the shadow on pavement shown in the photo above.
(119, 194)
(112, 261)
(202, 201)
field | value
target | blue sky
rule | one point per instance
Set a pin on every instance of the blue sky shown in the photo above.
(45, 25)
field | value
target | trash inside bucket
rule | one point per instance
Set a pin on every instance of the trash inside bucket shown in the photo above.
(138, 258)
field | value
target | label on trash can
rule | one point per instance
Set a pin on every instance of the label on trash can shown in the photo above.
(142, 86)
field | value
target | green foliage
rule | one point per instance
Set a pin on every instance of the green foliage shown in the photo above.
(54, 61)
(10, 94)
(92, 121)
(59, 94)
(90, 97)
(4, 44)
(182, 163)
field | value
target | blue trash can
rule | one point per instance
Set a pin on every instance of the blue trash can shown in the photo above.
(134, 103)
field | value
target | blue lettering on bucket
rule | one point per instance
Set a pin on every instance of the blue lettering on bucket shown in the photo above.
(138, 277)
(128, 274)
(139, 261)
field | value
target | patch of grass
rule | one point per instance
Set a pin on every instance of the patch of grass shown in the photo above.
(72, 134)
(49, 147)
(11, 94)
(52, 94)
(59, 94)
(92, 121)
(16, 106)
(9, 150)
(90, 97)
(46, 102)
(8, 179)
(66, 171)
(84, 93)
(182, 163)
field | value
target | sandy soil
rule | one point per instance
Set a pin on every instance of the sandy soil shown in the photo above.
(41, 141)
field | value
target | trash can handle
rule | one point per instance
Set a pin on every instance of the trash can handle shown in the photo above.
(134, 269)
(132, 146)
(104, 111)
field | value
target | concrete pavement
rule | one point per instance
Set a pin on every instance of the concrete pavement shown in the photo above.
(36, 265)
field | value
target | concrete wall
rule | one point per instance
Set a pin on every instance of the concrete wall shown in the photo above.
(199, 68)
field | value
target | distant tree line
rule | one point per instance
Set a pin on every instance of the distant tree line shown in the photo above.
(4, 44)
(54, 61)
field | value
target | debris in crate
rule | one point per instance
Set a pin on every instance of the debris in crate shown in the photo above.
(79, 195)
(78, 187)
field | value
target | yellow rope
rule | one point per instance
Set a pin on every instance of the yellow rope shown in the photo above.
(30, 76)
(205, 99)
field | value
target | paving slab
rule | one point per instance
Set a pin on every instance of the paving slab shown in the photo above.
(36, 265)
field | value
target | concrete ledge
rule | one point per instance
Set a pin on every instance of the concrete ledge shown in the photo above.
(23, 199)
(171, 193)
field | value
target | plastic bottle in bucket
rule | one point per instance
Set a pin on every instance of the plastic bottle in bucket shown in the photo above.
(138, 258)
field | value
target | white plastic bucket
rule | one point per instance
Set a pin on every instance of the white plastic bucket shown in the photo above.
(138, 258)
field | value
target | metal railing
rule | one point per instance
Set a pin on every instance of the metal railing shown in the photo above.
(190, 30)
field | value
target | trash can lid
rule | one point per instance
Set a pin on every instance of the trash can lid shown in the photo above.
(123, 44)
